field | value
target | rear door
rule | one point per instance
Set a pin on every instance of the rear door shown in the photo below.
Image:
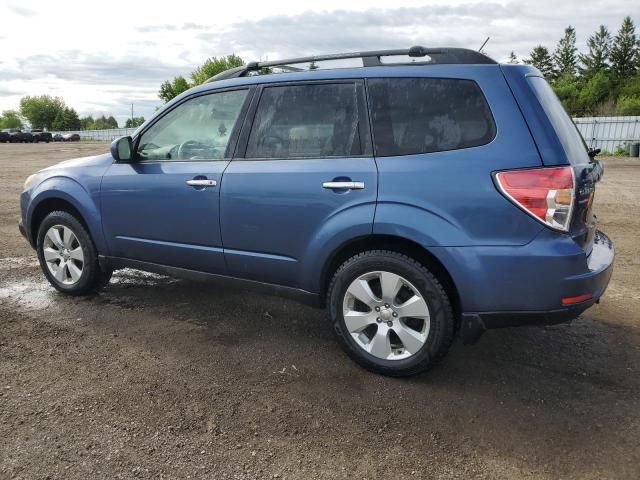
(304, 176)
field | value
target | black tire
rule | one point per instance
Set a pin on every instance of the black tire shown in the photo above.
(442, 322)
(93, 277)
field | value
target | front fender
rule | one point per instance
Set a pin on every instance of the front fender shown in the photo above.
(69, 190)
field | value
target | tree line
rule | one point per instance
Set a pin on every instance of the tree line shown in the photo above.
(51, 113)
(604, 80)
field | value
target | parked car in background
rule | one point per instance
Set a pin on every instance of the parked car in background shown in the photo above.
(4, 136)
(57, 137)
(18, 136)
(415, 201)
(71, 137)
(40, 135)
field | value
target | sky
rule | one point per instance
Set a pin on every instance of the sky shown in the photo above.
(101, 57)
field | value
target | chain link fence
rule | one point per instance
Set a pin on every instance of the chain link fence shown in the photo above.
(100, 135)
(611, 134)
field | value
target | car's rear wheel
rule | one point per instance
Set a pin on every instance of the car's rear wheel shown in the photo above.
(68, 256)
(391, 315)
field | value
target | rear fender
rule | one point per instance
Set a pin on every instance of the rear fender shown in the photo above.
(338, 230)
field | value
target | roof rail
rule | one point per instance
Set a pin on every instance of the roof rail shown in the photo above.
(369, 59)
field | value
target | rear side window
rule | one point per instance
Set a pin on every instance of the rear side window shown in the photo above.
(317, 120)
(422, 115)
(568, 134)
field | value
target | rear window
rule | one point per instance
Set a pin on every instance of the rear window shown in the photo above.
(422, 115)
(568, 134)
(312, 121)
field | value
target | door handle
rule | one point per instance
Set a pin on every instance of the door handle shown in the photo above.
(345, 185)
(202, 182)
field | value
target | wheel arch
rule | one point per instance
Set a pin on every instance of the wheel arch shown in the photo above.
(45, 207)
(396, 244)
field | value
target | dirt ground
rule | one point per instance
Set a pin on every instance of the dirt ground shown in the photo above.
(163, 378)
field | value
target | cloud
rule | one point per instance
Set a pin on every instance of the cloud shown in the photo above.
(110, 72)
(514, 25)
(341, 30)
(22, 11)
(94, 69)
(7, 91)
(187, 26)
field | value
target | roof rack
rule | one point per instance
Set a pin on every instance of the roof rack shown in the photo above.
(369, 59)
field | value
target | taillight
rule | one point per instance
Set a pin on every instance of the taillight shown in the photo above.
(545, 193)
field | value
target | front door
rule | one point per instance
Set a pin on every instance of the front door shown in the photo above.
(163, 207)
(305, 177)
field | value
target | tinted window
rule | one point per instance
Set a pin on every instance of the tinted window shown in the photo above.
(568, 134)
(421, 115)
(306, 121)
(198, 129)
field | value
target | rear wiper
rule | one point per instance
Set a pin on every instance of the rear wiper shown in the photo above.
(592, 152)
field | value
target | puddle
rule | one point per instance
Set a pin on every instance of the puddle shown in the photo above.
(39, 295)
(29, 295)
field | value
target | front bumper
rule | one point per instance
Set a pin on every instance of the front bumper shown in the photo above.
(593, 282)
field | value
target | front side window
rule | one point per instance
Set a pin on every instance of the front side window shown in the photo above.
(198, 129)
(313, 121)
(423, 115)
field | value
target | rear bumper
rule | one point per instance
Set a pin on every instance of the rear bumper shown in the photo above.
(593, 282)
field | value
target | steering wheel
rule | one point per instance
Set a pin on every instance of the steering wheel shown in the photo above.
(185, 148)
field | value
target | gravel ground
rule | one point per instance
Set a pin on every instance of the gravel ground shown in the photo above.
(164, 378)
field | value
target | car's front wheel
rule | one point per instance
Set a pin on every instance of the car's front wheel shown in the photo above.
(390, 313)
(68, 256)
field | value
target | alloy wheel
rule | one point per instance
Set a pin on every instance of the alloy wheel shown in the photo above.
(386, 315)
(63, 254)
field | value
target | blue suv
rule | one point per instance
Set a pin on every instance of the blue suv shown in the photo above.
(427, 194)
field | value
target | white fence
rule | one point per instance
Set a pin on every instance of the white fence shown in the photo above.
(609, 133)
(101, 135)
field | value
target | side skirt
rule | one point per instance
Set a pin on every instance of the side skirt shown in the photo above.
(299, 295)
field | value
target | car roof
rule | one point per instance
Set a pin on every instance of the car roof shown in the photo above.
(418, 70)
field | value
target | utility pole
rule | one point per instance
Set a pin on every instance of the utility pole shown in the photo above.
(132, 114)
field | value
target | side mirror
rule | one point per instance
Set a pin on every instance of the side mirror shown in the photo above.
(122, 149)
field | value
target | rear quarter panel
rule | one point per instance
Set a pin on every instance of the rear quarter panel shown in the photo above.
(446, 199)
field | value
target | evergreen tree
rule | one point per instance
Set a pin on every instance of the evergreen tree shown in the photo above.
(58, 122)
(541, 59)
(597, 60)
(565, 55)
(513, 58)
(624, 51)
(87, 123)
